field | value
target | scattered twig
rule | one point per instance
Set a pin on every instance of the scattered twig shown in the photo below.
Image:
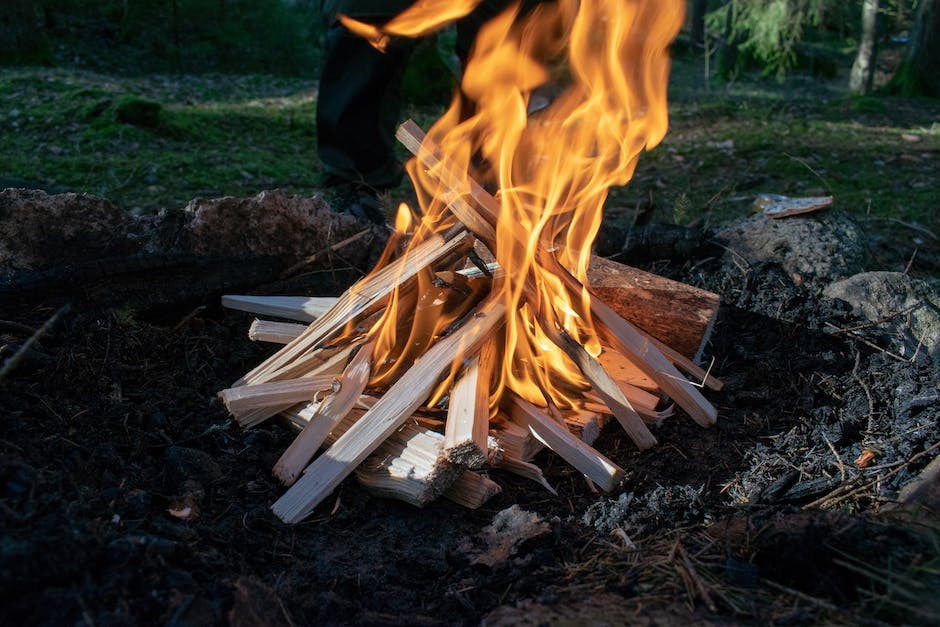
(848, 490)
(16, 357)
(332, 249)
(910, 262)
(866, 389)
(16, 327)
(810, 168)
(838, 458)
(800, 595)
(882, 320)
(192, 314)
(914, 227)
(872, 345)
(700, 586)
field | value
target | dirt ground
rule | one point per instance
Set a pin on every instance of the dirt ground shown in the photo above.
(111, 422)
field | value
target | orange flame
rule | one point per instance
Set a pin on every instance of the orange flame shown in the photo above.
(554, 108)
(421, 18)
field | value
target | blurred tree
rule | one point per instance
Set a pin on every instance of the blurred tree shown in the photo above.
(697, 19)
(767, 30)
(22, 39)
(919, 73)
(863, 70)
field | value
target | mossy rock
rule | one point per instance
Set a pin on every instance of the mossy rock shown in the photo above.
(138, 111)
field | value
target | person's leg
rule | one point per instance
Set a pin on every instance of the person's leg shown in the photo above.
(358, 106)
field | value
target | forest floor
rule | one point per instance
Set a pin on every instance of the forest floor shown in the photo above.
(765, 518)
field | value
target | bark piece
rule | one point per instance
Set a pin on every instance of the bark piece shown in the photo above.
(679, 315)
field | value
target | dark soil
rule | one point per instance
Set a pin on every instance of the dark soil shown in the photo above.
(111, 421)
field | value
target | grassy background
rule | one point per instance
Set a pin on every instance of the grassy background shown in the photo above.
(218, 134)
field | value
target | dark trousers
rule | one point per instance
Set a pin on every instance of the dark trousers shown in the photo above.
(359, 100)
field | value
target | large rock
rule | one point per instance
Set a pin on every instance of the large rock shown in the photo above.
(278, 225)
(823, 247)
(38, 230)
(905, 311)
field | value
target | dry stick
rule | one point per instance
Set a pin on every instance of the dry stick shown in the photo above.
(624, 336)
(468, 489)
(606, 387)
(845, 491)
(468, 413)
(700, 586)
(525, 469)
(389, 413)
(16, 357)
(246, 398)
(555, 436)
(275, 332)
(472, 490)
(641, 351)
(356, 300)
(329, 414)
(332, 249)
(409, 466)
(329, 361)
(302, 308)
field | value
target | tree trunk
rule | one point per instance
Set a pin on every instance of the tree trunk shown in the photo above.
(919, 73)
(699, 7)
(863, 70)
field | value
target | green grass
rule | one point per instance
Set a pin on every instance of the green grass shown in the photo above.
(215, 136)
(220, 135)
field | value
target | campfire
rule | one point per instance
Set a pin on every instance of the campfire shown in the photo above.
(476, 340)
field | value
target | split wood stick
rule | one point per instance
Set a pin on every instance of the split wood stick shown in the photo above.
(607, 388)
(623, 334)
(472, 490)
(409, 466)
(326, 361)
(329, 414)
(513, 439)
(526, 470)
(468, 414)
(246, 398)
(275, 332)
(482, 225)
(583, 424)
(303, 308)
(606, 474)
(368, 292)
(625, 371)
(639, 349)
(688, 366)
(389, 413)
(654, 417)
(643, 353)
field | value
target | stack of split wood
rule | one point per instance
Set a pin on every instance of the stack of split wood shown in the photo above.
(401, 446)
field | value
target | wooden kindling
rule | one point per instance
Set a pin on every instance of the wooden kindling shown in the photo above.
(363, 411)
(389, 413)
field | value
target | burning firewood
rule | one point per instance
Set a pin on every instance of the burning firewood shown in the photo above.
(426, 369)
